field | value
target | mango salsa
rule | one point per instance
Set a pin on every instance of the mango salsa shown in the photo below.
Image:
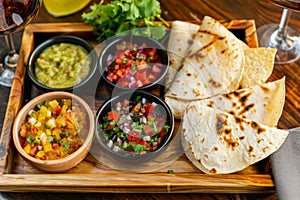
(51, 130)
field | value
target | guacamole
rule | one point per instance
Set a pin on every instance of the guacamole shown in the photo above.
(62, 65)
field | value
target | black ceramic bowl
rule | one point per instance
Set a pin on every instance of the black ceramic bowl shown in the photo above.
(126, 156)
(93, 62)
(108, 55)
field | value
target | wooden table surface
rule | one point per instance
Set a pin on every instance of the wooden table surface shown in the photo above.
(262, 11)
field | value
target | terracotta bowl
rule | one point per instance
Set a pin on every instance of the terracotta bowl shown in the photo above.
(86, 135)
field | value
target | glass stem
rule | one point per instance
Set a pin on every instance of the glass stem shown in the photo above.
(283, 25)
(11, 58)
(10, 44)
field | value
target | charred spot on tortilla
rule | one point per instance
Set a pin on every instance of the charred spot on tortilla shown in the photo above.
(246, 109)
(266, 148)
(183, 130)
(172, 61)
(235, 93)
(265, 89)
(257, 128)
(220, 124)
(242, 137)
(206, 155)
(233, 104)
(244, 98)
(216, 36)
(227, 96)
(203, 140)
(259, 140)
(213, 171)
(239, 121)
(197, 55)
(190, 41)
(174, 94)
(223, 51)
(250, 149)
(210, 104)
(181, 66)
(228, 131)
(199, 83)
(215, 148)
(231, 112)
(191, 108)
(214, 83)
(188, 74)
(196, 92)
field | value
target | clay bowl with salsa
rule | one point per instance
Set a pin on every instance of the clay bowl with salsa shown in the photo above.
(62, 63)
(134, 127)
(54, 131)
(133, 62)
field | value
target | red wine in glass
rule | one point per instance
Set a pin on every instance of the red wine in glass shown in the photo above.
(14, 16)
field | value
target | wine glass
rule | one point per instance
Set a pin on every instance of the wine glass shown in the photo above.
(14, 16)
(280, 36)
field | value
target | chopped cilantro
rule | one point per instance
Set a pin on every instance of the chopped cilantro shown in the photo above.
(122, 15)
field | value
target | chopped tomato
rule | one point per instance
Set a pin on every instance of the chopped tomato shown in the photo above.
(144, 143)
(113, 115)
(148, 129)
(141, 76)
(149, 109)
(33, 150)
(135, 64)
(57, 110)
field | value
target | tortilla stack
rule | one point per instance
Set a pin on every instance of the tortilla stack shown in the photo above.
(214, 64)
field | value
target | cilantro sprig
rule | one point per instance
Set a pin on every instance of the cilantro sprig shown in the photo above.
(122, 15)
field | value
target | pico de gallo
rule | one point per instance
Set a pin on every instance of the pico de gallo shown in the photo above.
(136, 126)
(51, 130)
(134, 66)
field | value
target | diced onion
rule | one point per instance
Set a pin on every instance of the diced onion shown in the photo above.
(147, 138)
(116, 148)
(30, 112)
(32, 120)
(110, 143)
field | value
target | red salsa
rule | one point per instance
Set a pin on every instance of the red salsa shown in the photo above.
(134, 66)
(137, 126)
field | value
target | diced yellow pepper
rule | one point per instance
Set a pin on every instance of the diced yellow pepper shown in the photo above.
(40, 154)
(56, 133)
(53, 104)
(64, 109)
(27, 148)
(48, 132)
(47, 146)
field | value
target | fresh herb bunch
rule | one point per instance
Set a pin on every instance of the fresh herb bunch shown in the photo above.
(122, 15)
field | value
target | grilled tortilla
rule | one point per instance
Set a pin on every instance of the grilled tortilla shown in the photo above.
(181, 38)
(214, 64)
(219, 142)
(262, 103)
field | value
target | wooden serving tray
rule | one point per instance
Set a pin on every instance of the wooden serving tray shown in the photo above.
(92, 176)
